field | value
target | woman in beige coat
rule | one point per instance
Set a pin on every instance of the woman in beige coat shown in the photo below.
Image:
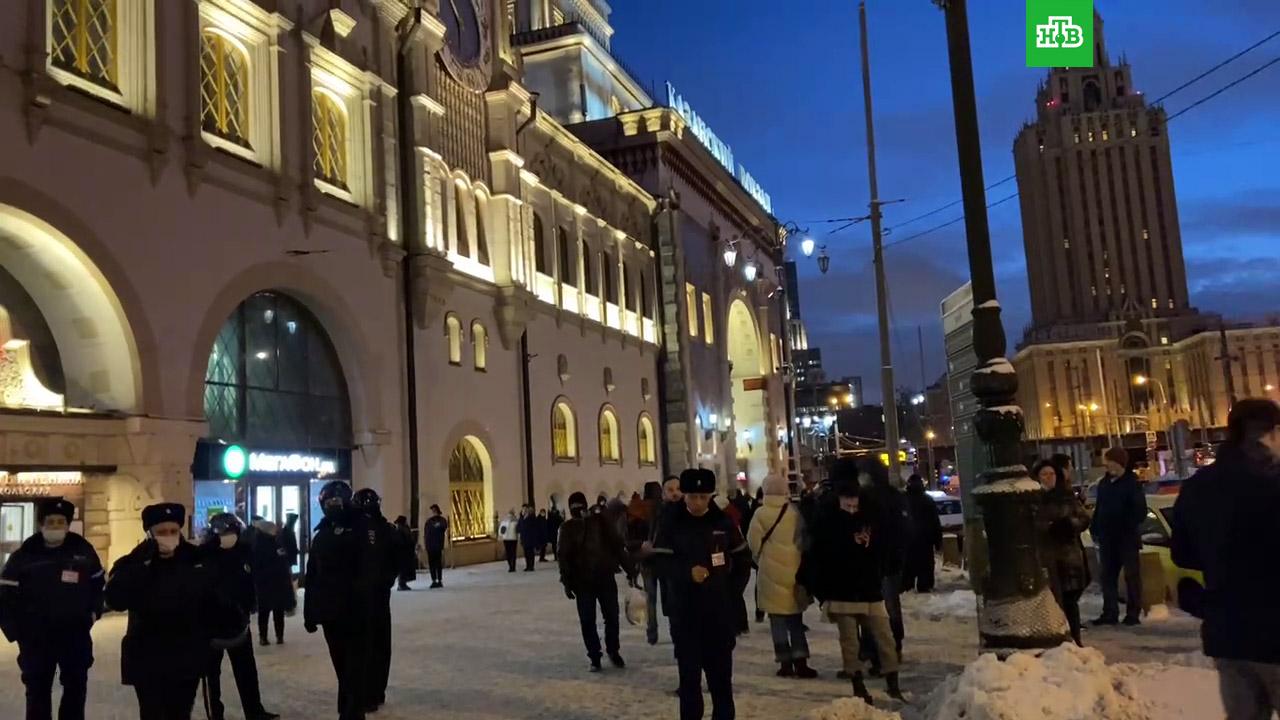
(776, 537)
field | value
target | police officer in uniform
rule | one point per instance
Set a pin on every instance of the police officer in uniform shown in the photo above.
(50, 596)
(387, 550)
(229, 557)
(169, 594)
(702, 554)
(342, 581)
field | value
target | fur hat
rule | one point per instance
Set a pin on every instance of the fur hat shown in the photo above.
(55, 507)
(153, 515)
(697, 480)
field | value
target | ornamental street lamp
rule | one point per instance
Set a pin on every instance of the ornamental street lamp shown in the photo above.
(806, 246)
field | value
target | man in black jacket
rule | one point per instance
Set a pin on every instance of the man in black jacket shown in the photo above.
(230, 559)
(386, 552)
(434, 534)
(50, 596)
(591, 551)
(703, 556)
(1224, 524)
(886, 508)
(1117, 519)
(926, 537)
(344, 576)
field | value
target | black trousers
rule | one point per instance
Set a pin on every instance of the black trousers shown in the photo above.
(1070, 603)
(435, 565)
(68, 654)
(166, 698)
(918, 573)
(278, 617)
(704, 651)
(542, 552)
(510, 547)
(245, 670)
(347, 651)
(530, 556)
(1112, 558)
(379, 638)
(605, 594)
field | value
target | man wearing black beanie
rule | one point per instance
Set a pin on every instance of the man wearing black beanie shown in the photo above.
(591, 551)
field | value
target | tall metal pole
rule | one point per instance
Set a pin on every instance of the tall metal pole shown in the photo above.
(928, 414)
(889, 399)
(1017, 609)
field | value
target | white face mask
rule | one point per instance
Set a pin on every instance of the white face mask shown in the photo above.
(227, 541)
(168, 543)
(54, 537)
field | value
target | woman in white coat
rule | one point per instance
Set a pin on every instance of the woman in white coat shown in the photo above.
(776, 536)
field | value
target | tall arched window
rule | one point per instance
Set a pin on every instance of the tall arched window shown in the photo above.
(329, 138)
(564, 433)
(480, 344)
(589, 272)
(540, 245)
(610, 275)
(224, 88)
(453, 329)
(460, 220)
(83, 40)
(564, 248)
(469, 477)
(644, 296)
(482, 238)
(630, 296)
(648, 450)
(610, 442)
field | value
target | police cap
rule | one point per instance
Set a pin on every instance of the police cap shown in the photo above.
(153, 515)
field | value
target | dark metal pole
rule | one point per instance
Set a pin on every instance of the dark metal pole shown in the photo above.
(1017, 609)
(408, 227)
(527, 408)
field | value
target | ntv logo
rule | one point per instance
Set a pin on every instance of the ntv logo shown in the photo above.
(1060, 33)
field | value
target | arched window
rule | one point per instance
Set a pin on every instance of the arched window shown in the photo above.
(648, 450)
(460, 220)
(469, 476)
(224, 88)
(644, 296)
(329, 138)
(630, 296)
(564, 435)
(610, 442)
(453, 329)
(83, 40)
(610, 275)
(273, 379)
(482, 238)
(568, 270)
(480, 344)
(539, 245)
(589, 263)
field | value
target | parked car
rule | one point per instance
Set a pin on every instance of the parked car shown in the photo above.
(949, 510)
(1157, 534)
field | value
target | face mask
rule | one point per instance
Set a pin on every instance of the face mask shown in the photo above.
(333, 511)
(227, 541)
(54, 537)
(168, 543)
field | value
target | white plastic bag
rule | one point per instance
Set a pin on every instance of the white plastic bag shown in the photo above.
(637, 606)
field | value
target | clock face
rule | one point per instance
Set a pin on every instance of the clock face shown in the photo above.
(467, 53)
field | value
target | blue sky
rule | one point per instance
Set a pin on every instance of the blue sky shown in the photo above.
(779, 81)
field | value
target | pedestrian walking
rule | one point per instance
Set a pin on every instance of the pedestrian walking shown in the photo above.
(272, 580)
(704, 557)
(407, 554)
(387, 555)
(775, 536)
(842, 570)
(1061, 520)
(546, 530)
(289, 541)
(509, 534)
(887, 511)
(530, 532)
(555, 519)
(1117, 519)
(656, 588)
(642, 520)
(343, 588)
(926, 538)
(1224, 525)
(168, 591)
(51, 593)
(231, 561)
(591, 551)
(434, 535)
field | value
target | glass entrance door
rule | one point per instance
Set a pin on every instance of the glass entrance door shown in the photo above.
(275, 502)
(17, 523)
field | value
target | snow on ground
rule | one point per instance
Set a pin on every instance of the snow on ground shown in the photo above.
(499, 646)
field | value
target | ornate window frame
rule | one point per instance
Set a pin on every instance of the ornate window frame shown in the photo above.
(562, 408)
(609, 418)
(257, 33)
(453, 334)
(135, 58)
(646, 441)
(353, 90)
(479, 346)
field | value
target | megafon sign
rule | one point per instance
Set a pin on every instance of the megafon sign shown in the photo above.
(718, 148)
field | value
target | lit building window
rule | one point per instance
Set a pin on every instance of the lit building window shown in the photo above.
(1164, 339)
(329, 138)
(648, 450)
(1154, 304)
(539, 246)
(1066, 243)
(1133, 132)
(708, 320)
(462, 240)
(1105, 135)
(224, 88)
(480, 345)
(1077, 137)
(610, 446)
(469, 474)
(691, 307)
(1090, 136)
(1145, 235)
(453, 329)
(564, 443)
(83, 41)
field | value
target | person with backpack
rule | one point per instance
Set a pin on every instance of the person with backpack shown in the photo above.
(775, 537)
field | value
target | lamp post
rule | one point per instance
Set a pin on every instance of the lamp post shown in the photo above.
(1017, 608)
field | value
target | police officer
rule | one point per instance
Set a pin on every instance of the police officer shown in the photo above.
(169, 594)
(342, 581)
(701, 553)
(230, 560)
(50, 596)
(386, 549)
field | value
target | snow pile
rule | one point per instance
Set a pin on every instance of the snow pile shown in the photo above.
(1157, 613)
(1176, 692)
(851, 709)
(1065, 683)
(939, 606)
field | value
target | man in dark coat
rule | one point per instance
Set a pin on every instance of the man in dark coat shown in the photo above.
(1117, 519)
(272, 579)
(887, 508)
(168, 591)
(1224, 524)
(50, 596)
(231, 560)
(704, 557)
(591, 551)
(926, 538)
(531, 533)
(434, 534)
(408, 553)
(386, 554)
(555, 519)
(344, 586)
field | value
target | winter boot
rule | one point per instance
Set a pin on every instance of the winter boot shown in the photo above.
(860, 689)
(262, 640)
(595, 665)
(891, 682)
(803, 671)
(787, 669)
(615, 657)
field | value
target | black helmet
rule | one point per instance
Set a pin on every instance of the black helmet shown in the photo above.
(368, 500)
(335, 489)
(225, 524)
